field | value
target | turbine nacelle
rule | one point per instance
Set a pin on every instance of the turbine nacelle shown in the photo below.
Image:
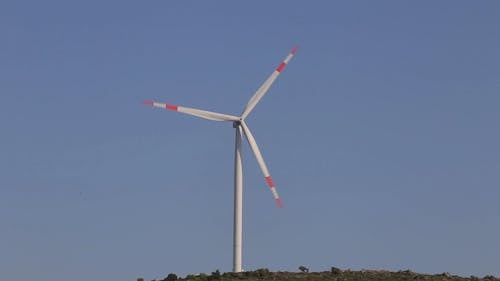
(236, 124)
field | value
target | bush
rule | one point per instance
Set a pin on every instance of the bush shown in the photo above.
(335, 270)
(215, 275)
(170, 277)
(262, 272)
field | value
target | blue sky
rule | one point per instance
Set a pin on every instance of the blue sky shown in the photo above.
(381, 135)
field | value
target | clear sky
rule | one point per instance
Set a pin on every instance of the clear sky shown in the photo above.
(382, 136)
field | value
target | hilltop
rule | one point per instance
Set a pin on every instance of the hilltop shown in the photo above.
(335, 274)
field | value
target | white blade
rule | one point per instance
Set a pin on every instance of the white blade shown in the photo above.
(260, 160)
(267, 84)
(195, 112)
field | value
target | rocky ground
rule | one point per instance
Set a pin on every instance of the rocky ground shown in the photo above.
(335, 274)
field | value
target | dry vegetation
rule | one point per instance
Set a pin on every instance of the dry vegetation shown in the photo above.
(334, 274)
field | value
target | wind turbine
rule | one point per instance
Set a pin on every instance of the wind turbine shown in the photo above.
(241, 128)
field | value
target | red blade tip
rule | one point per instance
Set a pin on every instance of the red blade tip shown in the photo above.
(148, 102)
(269, 181)
(278, 201)
(294, 50)
(171, 107)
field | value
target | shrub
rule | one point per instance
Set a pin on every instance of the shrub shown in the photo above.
(171, 277)
(215, 275)
(262, 272)
(335, 270)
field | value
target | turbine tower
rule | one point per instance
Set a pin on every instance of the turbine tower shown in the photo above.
(241, 128)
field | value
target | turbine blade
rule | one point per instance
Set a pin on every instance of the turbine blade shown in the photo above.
(262, 163)
(267, 84)
(195, 112)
